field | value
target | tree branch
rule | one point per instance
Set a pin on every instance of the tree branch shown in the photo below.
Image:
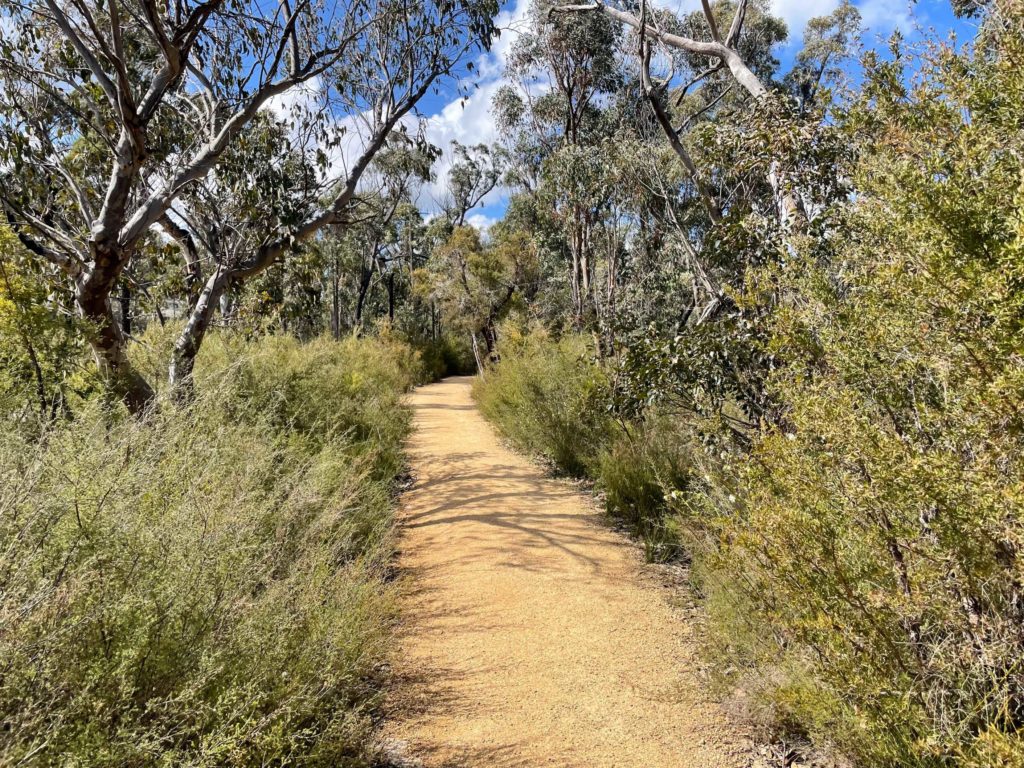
(710, 16)
(740, 71)
(83, 50)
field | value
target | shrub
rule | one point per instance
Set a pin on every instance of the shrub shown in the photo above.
(863, 572)
(642, 463)
(42, 370)
(550, 399)
(205, 588)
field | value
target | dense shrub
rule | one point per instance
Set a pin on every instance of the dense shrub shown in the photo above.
(639, 466)
(41, 370)
(550, 399)
(205, 587)
(877, 535)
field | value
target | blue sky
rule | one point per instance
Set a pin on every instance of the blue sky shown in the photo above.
(469, 121)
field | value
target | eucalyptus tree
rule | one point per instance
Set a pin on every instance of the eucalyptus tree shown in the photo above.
(383, 238)
(712, 46)
(475, 172)
(261, 187)
(475, 283)
(561, 75)
(111, 110)
(758, 160)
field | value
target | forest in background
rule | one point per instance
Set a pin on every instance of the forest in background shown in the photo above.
(774, 315)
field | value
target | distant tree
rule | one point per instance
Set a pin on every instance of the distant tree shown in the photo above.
(111, 111)
(719, 51)
(474, 174)
(475, 283)
(560, 75)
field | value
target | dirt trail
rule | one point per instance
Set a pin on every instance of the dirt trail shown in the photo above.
(530, 637)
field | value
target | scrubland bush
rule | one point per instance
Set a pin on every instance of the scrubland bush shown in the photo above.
(40, 350)
(550, 399)
(877, 535)
(205, 587)
(642, 463)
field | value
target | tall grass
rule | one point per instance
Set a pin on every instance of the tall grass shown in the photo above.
(206, 587)
(549, 399)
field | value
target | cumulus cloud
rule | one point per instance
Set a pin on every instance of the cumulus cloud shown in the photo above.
(300, 96)
(885, 15)
(878, 15)
(467, 122)
(482, 222)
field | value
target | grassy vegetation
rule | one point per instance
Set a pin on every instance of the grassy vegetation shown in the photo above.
(205, 587)
(840, 615)
(551, 399)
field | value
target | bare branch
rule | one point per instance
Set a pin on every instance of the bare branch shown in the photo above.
(740, 71)
(655, 96)
(15, 218)
(83, 50)
(737, 24)
(710, 16)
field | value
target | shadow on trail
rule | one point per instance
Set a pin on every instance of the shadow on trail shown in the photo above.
(526, 637)
(530, 507)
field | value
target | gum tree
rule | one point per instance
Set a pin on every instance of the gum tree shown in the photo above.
(110, 112)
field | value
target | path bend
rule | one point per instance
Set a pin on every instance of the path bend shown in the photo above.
(529, 637)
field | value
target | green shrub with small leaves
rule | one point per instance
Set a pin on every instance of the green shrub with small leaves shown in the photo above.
(644, 462)
(877, 536)
(205, 587)
(550, 399)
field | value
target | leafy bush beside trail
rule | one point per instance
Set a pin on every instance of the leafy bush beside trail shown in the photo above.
(551, 399)
(205, 587)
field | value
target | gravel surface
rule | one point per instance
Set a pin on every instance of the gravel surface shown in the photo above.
(530, 635)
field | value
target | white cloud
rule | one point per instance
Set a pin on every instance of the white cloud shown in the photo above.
(300, 96)
(878, 15)
(468, 122)
(511, 23)
(481, 222)
(886, 15)
(796, 13)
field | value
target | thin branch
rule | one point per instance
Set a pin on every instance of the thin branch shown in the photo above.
(70, 265)
(83, 50)
(710, 16)
(737, 24)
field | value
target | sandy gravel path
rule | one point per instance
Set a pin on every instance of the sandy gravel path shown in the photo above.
(530, 636)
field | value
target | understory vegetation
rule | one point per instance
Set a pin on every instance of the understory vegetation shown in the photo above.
(835, 449)
(206, 587)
